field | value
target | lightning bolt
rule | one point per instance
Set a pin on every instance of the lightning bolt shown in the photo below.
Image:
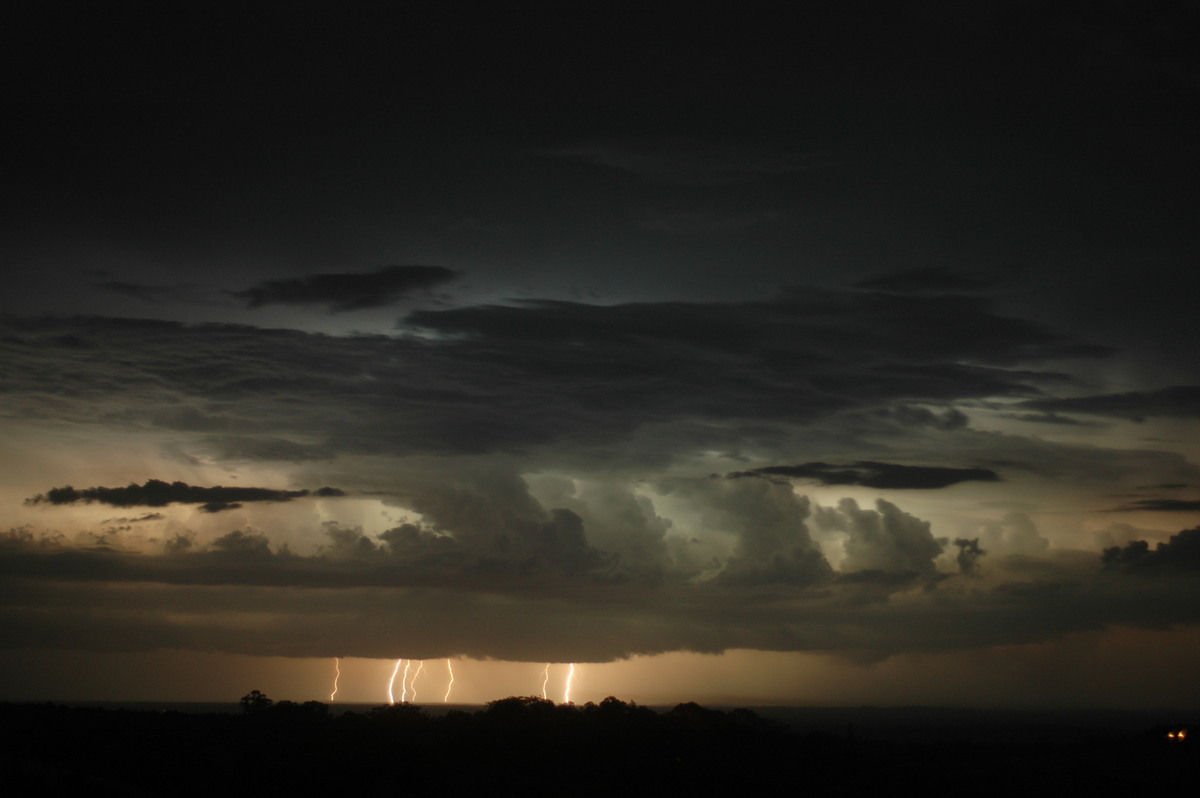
(404, 682)
(337, 674)
(413, 684)
(392, 681)
(545, 678)
(446, 697)
(570, 678)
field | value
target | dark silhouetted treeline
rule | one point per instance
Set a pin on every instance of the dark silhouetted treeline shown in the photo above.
(530, 746)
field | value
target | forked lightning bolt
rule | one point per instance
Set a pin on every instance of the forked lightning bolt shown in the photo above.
(337, 673)
(392, 681)
(450, 686)
(413, 684)
(545, 678)
(570, 678)
(404, 682)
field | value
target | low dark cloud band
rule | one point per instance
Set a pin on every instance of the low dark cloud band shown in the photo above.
(347, 291)
(869, 474)
(156, 493)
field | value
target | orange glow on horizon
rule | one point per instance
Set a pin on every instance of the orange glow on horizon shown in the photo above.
(735, 678)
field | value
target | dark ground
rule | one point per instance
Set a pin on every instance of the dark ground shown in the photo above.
(532, 747)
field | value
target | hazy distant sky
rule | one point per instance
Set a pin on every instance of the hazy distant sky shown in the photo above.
(797, 353)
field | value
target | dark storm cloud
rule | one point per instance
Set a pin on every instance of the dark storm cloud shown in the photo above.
(449, 586)
(949, 419)
(188, 419)
(920, 335)
(1164, 505)
(237, 447)
(107, 600)
(156, 493)
(347, 291)
(885, 476)
(509, 377)
(1177, 401)
(1182, 551)
(929, 280)
(141, 518)
(556, 561)
(246, 544)
(1050, 418)
(802, 356)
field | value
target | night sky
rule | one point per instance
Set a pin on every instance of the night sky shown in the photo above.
(779, 354)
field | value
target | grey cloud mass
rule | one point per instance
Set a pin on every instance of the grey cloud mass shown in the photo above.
(347, 291)
(503, 378)
(499, 425)
(1182, 551)
(156, 493)
(1165, 505)
(875, 475)
(883, 539)
(360, 604)
(1177, 401)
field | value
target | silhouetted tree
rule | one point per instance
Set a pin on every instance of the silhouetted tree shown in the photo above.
(254, 702)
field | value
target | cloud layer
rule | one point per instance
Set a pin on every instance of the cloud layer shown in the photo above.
(347, 291)
(890, 476)
(156, 493)
(548, 472)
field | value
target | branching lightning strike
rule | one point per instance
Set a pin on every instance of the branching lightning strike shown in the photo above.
(337, 674)
(570, 678)
(404, 681)
(413, 684)
(392, 681)
(450, 686)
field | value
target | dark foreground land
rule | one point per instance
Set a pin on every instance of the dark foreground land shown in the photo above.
(529, 746)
